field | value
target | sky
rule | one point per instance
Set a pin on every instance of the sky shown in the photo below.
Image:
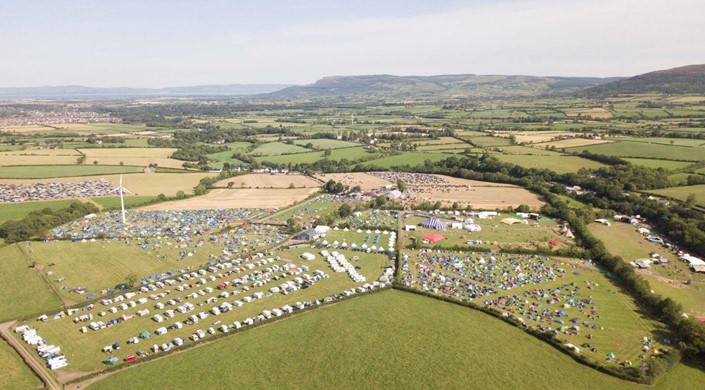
(160, 43)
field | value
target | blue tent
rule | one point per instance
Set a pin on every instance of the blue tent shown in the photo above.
(434, 223)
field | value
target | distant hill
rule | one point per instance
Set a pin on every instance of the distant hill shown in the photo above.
(465, 85)
(682, 80)
(69, 91)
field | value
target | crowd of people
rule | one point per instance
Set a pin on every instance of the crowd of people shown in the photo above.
(410, 178)
(178, 224)
(48, 191)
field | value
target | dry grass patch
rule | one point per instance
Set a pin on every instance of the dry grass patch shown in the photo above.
(597, 113)
(486, 198)
(254, 180)
(569, 143)
(132, 156)
(238, 198)
(39, 157)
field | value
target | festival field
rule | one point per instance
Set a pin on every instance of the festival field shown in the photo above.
(571, 299)
(132, 156)
(308, 211)
(137, 183)
(84, 349)
(352, 179)
(25, 291)
(386, 339)
(263, 180)
(669, 280)
(239, 198)
(494, 233)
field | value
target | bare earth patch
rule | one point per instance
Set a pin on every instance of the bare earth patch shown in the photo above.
(238, 198)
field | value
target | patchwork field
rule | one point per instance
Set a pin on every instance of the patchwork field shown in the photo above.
(132, 156)
(264, 180)
(314, 343)
(238, 198)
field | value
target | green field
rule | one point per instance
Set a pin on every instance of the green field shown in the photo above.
(15, 374)
(18, 210)
(390, 339)
(48, 171)
(113, 202)
(277, 148)
(646, 150)
(682, 193)
(349, 154)
(653, 163)
(411, 159)
(16, 277)
(558, 164)
(226, 156)
(325, 143)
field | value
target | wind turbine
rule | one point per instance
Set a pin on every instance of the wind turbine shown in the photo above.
(122, 199)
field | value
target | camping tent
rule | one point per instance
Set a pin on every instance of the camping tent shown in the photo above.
(433, 238)
(434, 223)
(510, 221)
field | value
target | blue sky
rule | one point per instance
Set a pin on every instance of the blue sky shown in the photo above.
(152, 43)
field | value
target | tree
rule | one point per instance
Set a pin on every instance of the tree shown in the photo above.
(344, 210)
(200, 190)
(291, 185)
(401, 185)
(327, 153)
(180, 195)
(95, 162)
(231, 184)
(131, 280)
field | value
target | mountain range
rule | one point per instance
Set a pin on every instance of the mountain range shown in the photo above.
(686, 79)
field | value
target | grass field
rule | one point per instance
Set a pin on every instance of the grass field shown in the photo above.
(113, 202)
(682, 193)
(49, 171)
(411, 159)
(15, 374)
(353, 153)
(24, 291)
(559, 164)
(226, 156)
(277, 148)
(84, 350)
(10, 211)
(623, 240)
(325, 143)
(653, 163)
(389, 339)
(646, 150)
(308, 211)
